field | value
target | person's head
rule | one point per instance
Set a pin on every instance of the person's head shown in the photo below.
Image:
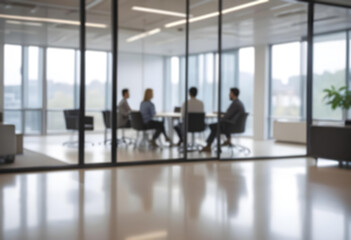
(125, 93)
(234, 93)
(149, 94)
(193, 92)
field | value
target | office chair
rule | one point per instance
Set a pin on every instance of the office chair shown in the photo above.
(107, 117)
(237, 128)
(177, 109)
(196, 124)
(137, 124)
(72, 124)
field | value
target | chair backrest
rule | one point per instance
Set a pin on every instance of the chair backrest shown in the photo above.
(136, 121)
(106, 115)
(240, 124)
(196, 122)
(71, 119)
(177, 109)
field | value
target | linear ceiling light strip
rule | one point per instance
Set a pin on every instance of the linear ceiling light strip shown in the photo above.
(143, 35)
(191, 20)
(51, 20)
(215, 14)
(158, 11)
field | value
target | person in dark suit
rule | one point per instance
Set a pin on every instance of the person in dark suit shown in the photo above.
(235, 109)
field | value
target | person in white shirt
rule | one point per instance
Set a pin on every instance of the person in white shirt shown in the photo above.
(194, 106)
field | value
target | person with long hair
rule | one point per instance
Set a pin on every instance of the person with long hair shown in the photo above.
(148, 111)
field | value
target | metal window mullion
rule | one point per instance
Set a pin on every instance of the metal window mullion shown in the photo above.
(114, 12)
(197, 72)
(166, 65)
(302, 82)
(82, 84)
(43, 68)
(24, 81)
(204, 83)
(76, 83)
(204, 78)
(219, 77)
(214, 81)
(186, 79)
(270, 87)
(309, 82)
(236, 68)
(347, 69)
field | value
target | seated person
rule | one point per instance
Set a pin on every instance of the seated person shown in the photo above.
(147, 110)
(124, 110)
(194, 106)
(235, 109)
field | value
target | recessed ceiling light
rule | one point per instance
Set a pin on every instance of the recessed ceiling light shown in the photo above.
(214, 14)
(51, 20)
(158, 11)
(143, 35)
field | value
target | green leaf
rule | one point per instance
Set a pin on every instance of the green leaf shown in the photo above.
(338, 98)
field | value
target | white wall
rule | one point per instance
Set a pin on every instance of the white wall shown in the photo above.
(137, 72)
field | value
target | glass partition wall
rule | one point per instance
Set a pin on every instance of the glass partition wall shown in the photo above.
(38, 47)
(98, 83)
(202, 78)
(151, 80)
(258, 47)
(331, 65)
(263, 64)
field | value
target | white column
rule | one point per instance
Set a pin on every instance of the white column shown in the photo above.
(260, 108)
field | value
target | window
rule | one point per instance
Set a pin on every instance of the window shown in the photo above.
(61, 70)
(287, 82)
(229, 76)
(237, 71)
(12, 85)
(13, 77)
(23, 75)
(96, 79)
(61, 83)
(32, 80)
(329, 69)
(173, 82)
(246, 76)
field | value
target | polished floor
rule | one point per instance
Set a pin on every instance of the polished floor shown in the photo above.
(31, 159)
(276, 199)
(52, 146)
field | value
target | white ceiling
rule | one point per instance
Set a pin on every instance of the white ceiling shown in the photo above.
(271, 22)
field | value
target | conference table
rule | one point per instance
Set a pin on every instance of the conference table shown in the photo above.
(178, 115)
(170, 117)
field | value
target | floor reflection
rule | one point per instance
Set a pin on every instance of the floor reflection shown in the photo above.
(287, 199)
(193, 184)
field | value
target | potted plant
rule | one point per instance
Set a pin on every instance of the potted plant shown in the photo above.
(339, 98)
